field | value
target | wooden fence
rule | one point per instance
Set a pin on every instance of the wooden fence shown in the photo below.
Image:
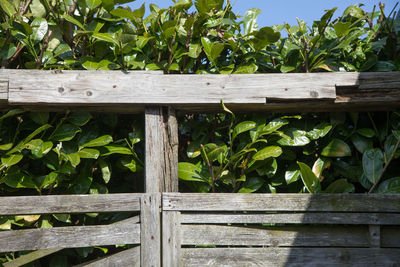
(174, 229)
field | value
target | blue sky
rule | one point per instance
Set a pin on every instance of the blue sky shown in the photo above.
(279, 11)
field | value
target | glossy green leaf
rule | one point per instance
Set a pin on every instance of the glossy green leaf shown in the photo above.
(390, 186)
(73, 21)
(10, 160)
(319, 131)
(7, 51)
(204, 6)
(336, 148)
(74, 159)
(310, 180)
(65, 132)
(105, 170)
(22, 144)
(129, 163)
(79, 118)
(265, 36)
(109, 150)
(372, 162)
(12, 113)
(189, 172)
(38, 9)
(106, 37)
(268, 152)
(40, 117)
(319, 166)
(89, 153)
(299, 138)
(242, 127)
(361, 143)
(366, 132)
(213, 151)
(292, 175)
(6, 146)
(8, 8)
(250, 20)
(66, 218)
(92, 4)
(340, 186)
(194, 50)
(251, 185)
(40, 28)
(100, 141)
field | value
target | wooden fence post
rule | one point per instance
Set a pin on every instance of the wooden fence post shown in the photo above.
(161, 175)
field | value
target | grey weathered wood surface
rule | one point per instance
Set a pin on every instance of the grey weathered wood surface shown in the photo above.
(293, 218)
(171, 238)
(129, 257)
(69, 237)
(375, 236)
(292, 236)
(161, 170)
(30, 257)
(390, 236)
(282, 202)
(150, 239)
(24, 205)
(251, 257)
(116, 89)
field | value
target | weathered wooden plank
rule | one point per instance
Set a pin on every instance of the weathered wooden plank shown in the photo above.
(150, 239)
(390, 236)
(161, 171)
(288, 257)
(282, 202)
(119, 87)
(25, 205)
(293, 218)
(3, 90)
(129, 257)
(25, 259)
(293, 236)
(69, 237)
(171, 238)
(374, 236)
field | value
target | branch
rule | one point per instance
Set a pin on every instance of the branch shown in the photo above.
(44, 46)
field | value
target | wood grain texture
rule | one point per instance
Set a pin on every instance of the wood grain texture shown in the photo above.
(293, 218)
(292, 236)
(150, 239)
(171, 238)
(69, 237)
(289, 257)
(129, 257)
(282, 202)
(26, 205)
(374, 236)
(30, 257)
(390, 236)
(161, 172)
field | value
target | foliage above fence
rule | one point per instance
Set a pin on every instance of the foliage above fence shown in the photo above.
(48, 153)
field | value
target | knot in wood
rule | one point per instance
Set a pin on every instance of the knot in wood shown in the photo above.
(314, 94)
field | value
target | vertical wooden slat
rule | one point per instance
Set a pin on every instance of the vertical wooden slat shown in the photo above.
(150, 232)
(374, 236)
(171, 238)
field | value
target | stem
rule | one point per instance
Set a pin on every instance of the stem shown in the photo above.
(44, 46)
(384, 168)
(210, 167)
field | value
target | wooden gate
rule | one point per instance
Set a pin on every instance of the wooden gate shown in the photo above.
(173, 229)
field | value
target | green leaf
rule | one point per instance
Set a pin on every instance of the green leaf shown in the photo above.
(39, 29)
(66, 218)
(106, 37)
(109, 150)
(65, 132)
(40, 117)
(265, 36)
(19, 180)
(310, 181)
(105, 170)
(205, 6)
(340, 186)
(342, 28)
(246, 69)
(22, 144)
(6, 146)
(79, 118)
(250, 20)
(8, 8)
(8, 51)
(251, 185)
(292, 174)
(213, 151)
(38, 9)
(129, 163)
(367, 132)
(10, 160)
(73, 21)
(74, 159)
(194, 50)
(101, 141)
(212, 49)
(189, 172)
(89, 153)
(361, 143)
(390, 186)
(372, 162)
(273, 126)
(12, 113)
(242, 127)
(92, 4)
(299, 138)
(336, 148)
(319, 166)
(38, 147)
(319, 131)
(268, 152)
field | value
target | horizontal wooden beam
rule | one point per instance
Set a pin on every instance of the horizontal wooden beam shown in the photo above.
(293, 218)
(26, 205)
(282, 202)
(70, 237)
(129, 257)
(226, 257)
(116, 91)
(291, 236)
